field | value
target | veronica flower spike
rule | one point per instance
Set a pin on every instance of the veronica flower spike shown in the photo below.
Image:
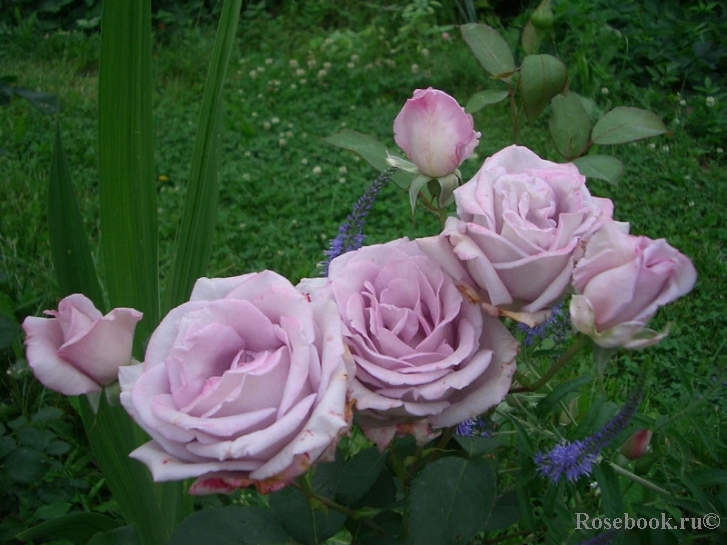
(350, 234)
(573, 460)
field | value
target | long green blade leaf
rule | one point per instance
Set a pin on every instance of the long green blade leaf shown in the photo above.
(196, 232)
(113, 435)
(72, 260)
(129, 244)
(126, 161)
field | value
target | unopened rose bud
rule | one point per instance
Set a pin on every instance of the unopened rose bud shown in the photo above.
(636, 445)
(542, 18)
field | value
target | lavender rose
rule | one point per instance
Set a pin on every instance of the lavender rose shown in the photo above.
(621, 282)
(435, 132)
(244, 384)
(521, 224)
(79, 350)
(425, 356)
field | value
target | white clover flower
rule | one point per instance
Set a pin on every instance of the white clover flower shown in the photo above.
(266, 125)
(246, 177)
(604, 90)
(321, 73)
(351, 65)
(292, 63)
(327, 65)
(682, 102)
(425, 52)
(302, 81)
(275, 120)
(300, 72)
(719, 150)
(268, 61)
(311, 63)
(342, 180)
(414, 68)
(342, 170)
(293, 86)
(304, 161)
(260, 69)
(710, 101)
(665, 149)
(317, 170)
(282, 142)
(354, 58)
(652, 146)
(253, 74)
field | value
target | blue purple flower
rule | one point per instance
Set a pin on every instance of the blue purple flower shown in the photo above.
(573, 460)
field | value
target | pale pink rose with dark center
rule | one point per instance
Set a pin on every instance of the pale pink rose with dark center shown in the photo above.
(621, 282)
(522, 225)
(245, 384)
(79, 350)
(426, 357)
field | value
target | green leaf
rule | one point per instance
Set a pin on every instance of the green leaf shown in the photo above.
(76, 527)
(25, 465)
(505, 512)
(306, 522)
(196, 231)
(611, 495)
(601, 167)
(112, 436)
(484, 98)
(570, 127)
(126, 162)
(126, 535)
(541, 78)
(370, 150)
(359, 474)
(559, 393)
(70, 251)
(625, 124)
(490, 49)
(450, 500)
(44, 102)
(529, 39)
(231, 525)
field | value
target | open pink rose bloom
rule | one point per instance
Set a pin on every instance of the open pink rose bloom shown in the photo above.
(621, 282)
(244, 384)
(521, 224)
(435, 132)
(79, 350)
(425, 356)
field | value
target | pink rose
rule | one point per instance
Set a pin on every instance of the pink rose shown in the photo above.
(425, 356)
(79, 350)
(521, 224)
(244, 384)
(621, 282)
(435, 132)
(636, 446)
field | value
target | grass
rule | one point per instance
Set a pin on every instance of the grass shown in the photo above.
(284, 192)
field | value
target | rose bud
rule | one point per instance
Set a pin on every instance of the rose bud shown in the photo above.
(79, 350)
(621, 282)
(435, 132)
(635, 446)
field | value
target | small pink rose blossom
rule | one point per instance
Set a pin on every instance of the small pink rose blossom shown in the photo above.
(435, 132)
(78, 350)
(522, 223)
(636, 446)
(245, 384)
(425, 356)
(621, 282)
